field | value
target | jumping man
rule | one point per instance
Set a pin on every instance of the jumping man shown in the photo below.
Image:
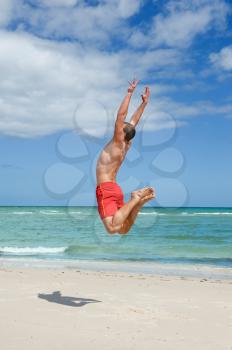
(116, 215)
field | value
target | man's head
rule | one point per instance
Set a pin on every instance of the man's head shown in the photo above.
(129, 131)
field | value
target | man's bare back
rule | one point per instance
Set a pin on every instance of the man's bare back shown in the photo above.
(116, 215)
(110, 160)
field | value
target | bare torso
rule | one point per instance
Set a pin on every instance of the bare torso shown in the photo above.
(110, 161)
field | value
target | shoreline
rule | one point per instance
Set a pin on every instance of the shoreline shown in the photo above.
(145, 268)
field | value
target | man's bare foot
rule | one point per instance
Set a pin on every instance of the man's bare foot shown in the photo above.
(147, 198)
(143, 192)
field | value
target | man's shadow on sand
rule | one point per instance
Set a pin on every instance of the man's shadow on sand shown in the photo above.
(56, 297)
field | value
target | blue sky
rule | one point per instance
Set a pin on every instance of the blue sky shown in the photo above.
(64, 67)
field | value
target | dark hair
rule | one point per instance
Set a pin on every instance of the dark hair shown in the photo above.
(129, 130)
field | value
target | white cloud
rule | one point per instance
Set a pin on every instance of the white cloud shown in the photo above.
(144, 63)
(62, 3)
(223, 59)
(93, 25)
(181, 23)
(167, 113)
(128, 8)
(180, 29)
(42, 82)
(6, 7)
(176, 25)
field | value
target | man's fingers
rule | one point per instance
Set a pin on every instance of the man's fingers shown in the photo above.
(134, 83)
(147, 91)
(146, 94)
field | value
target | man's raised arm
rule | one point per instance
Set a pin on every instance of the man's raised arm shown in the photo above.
(137, 115)
(123, 109)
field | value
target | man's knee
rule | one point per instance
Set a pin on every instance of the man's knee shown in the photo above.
(125, 228)
(123, 231)
(112, 229)
(117, 229)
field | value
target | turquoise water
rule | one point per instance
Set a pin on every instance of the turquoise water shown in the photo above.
(175, 236)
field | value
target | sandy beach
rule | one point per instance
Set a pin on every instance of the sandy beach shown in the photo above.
(73, 309)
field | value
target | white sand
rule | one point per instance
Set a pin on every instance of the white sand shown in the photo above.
(133, 312)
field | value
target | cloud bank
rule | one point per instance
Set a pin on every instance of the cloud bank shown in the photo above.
(64, 62)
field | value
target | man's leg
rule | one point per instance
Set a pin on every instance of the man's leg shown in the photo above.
(114, 223)
(133, 214)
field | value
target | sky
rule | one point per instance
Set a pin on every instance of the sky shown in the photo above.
(65, 66)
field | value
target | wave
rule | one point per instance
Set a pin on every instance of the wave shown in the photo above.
(45, 212)
(154, 213)
(51, 212)
(186, 213)
(206, 213)
(32, 250)
(22, 212)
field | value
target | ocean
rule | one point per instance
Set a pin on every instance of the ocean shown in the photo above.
(163, 239)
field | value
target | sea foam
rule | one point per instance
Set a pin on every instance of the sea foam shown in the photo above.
(32, 250)
(22, 212)
(206, 213)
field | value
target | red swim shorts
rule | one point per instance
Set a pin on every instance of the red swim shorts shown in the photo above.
(109, 198)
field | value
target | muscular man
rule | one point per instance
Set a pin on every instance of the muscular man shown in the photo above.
(116, 215)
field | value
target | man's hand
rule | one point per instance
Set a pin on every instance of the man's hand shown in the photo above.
(133, 85)
(145, 96)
